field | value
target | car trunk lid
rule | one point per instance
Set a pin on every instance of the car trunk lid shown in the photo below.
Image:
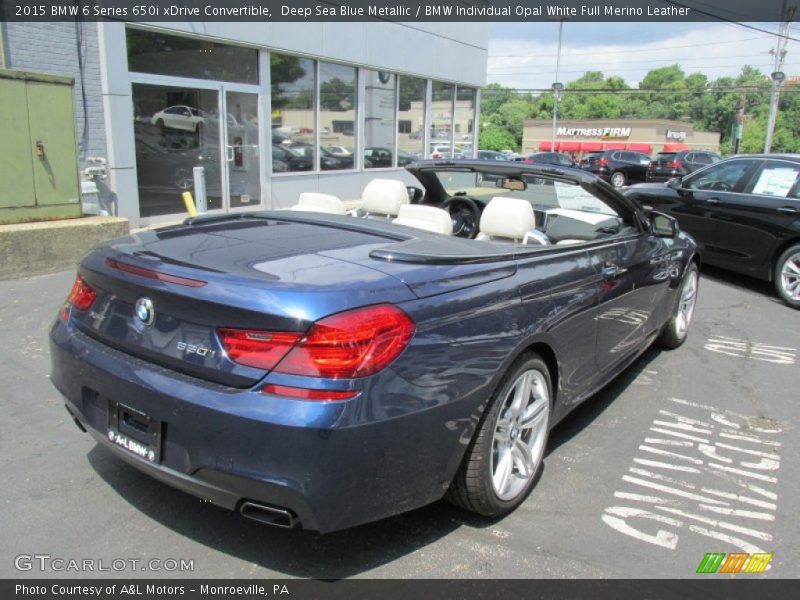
(253, 273)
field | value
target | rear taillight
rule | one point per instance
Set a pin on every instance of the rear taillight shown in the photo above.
(603, 162)
(351, 344)
(82, 294)
(256, 348)
(528, 161)
(675, 164)
(347, 345)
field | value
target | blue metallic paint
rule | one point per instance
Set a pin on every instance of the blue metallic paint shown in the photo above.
(396, 446)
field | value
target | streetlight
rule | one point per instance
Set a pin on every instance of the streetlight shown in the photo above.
(557, 87)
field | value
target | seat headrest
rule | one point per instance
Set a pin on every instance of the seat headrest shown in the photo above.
(316, 202)
(428, 218)
(384, 197)
(507, 218)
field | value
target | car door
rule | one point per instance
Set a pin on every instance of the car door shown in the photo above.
(699, 196)
(752, 223)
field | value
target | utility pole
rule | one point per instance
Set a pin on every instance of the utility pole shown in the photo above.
(557, 87)
(738, 127)
(777, 75)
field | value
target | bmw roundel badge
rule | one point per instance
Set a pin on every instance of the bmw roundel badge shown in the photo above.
(144, 311)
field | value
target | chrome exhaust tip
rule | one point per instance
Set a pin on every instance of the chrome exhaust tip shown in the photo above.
(270, 515)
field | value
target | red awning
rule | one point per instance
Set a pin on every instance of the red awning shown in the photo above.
(591, 146)
(569, 146)
(644, 148)
(546, 146)
(614, 145)
(674, 147)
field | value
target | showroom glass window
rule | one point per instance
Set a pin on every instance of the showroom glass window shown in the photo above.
(464, 122)
(293, 92)
(337, 114)
(160, 54)
(411, 116)
(380, 99)
(175, 130)
(441, 135)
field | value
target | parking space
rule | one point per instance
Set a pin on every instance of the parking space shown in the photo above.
(689, 452)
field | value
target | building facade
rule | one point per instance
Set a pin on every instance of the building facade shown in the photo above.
(268, 110)
(576, 137)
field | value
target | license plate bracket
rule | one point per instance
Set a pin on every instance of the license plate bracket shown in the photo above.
(135, 431)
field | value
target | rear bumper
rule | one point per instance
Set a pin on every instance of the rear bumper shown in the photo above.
(658, 176)
(231, 446)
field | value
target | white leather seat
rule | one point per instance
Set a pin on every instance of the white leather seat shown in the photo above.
(316, 202)
(383, 198)
(507, 219)
(424, 217)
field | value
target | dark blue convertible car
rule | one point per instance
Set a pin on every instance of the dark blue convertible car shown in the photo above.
(304, 367)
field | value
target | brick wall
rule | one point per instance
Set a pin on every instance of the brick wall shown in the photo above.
(52, 48)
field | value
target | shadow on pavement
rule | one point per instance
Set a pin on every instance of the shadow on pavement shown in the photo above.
(300, 553)
(295, 552)
(593, 407)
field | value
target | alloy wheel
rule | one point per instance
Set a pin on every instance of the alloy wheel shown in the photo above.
(790, 276)
(686, 304)
(520, 434)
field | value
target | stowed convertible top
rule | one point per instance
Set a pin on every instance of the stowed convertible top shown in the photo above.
(409, 245)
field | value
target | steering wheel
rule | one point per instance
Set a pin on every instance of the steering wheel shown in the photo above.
(466, 215)
(721, 186)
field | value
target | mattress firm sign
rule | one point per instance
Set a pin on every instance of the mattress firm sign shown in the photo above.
(606, 133)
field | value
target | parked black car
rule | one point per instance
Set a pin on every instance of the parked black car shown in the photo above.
(667, 165)
(491, 155)
(286, 159)
(618, 167)
(548, 158)
(744, 213)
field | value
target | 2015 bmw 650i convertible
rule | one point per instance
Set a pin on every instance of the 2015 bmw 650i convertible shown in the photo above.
(329, 370)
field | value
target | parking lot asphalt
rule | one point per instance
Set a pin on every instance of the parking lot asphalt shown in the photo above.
(689, 451)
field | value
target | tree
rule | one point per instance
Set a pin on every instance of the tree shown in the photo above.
(493, 96)
(336, 94)
(512, 115)
(496, 137)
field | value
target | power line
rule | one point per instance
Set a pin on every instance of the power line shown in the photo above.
(639, 91)
(650, 61)
(661, 49)
(731, 21)
(615, 70)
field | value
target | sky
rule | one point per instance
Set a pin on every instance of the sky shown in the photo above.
(523, 55)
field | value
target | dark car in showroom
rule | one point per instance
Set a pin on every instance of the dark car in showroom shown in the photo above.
(666, 165)
(547, 158)
(329, 370)
(618, 167)
(744, 212)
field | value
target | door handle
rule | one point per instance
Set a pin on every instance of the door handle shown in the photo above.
(228, 153)
(713, 200)
(610, 271)
(788, 210)
(40, 150)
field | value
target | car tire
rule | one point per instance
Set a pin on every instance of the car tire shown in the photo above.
(504, 459)
(618, 179)
(787, 276)
(677, 327)
(160, 123)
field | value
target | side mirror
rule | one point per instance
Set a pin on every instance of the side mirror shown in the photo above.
(675, 183)
(662, 225)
